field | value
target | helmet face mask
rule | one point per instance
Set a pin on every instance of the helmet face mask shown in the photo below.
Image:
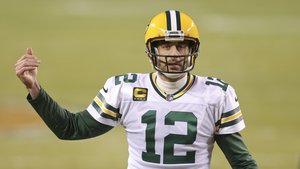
(168, 27)
(161, 63)
(179, 63)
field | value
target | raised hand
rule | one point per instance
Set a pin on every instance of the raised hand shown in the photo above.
(26, 69)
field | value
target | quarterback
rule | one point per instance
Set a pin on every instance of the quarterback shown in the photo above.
(172, 117)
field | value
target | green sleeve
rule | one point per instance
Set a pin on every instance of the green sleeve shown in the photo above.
(64, 124)
(236, 151)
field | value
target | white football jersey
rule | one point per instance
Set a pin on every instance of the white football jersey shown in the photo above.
(168, 131)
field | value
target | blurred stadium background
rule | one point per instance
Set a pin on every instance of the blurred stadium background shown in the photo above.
(253, 45)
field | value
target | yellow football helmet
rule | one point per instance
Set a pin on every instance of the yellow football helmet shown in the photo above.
(172, 26)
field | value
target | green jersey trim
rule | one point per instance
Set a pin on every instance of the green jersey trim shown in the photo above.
(181, 92)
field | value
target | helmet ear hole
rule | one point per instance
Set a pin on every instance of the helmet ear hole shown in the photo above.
(155, 44)
(153, 49)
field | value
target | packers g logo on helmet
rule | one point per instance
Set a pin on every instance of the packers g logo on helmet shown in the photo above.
(172, 26)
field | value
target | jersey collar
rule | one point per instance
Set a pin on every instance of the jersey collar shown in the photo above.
(179, 93)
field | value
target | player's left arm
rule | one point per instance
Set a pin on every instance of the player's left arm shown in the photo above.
(236, 151)
(228, 136)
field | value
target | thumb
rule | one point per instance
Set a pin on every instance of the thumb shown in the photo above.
(29, 51)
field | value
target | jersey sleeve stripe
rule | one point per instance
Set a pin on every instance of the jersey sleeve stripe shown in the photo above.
(229, 118)
(108, 117)
(232, 112)
(102, 114)
(102, 99)
(102, 108)
(231, 123)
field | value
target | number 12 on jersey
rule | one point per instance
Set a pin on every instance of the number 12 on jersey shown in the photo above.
(170, 140)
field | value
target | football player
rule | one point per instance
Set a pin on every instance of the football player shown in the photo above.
(172, 118)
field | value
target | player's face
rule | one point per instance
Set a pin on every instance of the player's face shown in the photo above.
(174, 63)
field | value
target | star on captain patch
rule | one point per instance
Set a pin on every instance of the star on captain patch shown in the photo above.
(140, 94)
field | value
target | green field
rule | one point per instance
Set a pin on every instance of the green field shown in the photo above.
(253, 45)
